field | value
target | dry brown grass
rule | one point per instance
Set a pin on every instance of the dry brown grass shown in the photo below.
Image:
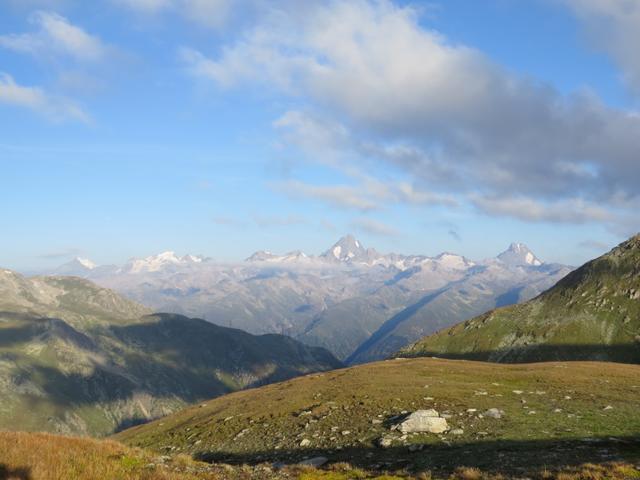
(41, 456)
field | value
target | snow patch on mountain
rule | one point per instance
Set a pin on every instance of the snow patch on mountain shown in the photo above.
(518, 254)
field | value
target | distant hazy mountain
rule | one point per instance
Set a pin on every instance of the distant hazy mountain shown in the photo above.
(591, 314)
(78, 266)
(360, 304)
(519, 254)
(78, 358)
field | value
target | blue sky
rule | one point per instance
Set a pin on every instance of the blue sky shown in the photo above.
(220, 127)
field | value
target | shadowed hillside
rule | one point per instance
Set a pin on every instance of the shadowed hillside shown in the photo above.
(77, 358)
(591, 314)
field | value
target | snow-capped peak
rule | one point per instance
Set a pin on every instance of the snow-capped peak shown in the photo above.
(347, 249)
(453, 261)
(158, 262)
(519, 254)
(86, 263)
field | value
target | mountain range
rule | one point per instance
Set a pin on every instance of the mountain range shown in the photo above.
(356, 302)
(591, 314)
(78, 358)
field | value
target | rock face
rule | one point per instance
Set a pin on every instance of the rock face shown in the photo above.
(422, 421)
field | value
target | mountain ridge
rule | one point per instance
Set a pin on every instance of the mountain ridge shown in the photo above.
(78, 358)
(336, 300)
(592, 313)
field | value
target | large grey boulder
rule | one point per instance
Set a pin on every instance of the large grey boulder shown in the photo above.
(422, 421)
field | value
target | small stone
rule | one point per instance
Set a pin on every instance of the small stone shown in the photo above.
(608, 407)
(457, 431)
(518, 392)
(346, 432)
(305, 442)
(384, 442)
(314, 462)
(494, 413)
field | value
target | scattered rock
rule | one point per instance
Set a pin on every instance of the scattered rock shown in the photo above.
(346, 432)
(457, 431)
(385, 442)
(494, 413)
(518, 392)
(424, 421)
(314, 462)
(305, 442)
(608, 407)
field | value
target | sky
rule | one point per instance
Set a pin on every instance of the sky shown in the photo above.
(221, 127)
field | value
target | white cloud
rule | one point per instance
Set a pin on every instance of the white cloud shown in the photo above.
(614, 27)
(55, 35)
(575, 211)
(442, 113)
(374, 227)
(36, 99)
(342, 196)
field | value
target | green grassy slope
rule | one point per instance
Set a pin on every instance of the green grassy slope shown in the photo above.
(593, 313)
(76, 358)
(555, 415)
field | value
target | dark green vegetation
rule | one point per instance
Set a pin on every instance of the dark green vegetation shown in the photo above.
(77, 358)
(591, 314)
(556, 416)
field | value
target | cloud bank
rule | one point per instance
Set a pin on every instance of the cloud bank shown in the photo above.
(443, 114)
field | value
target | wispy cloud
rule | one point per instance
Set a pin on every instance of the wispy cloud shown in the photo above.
(614, 27)
(37, 100)
(374, 227)
(56, 35)
(594, 245)
(575, 211)
(342, 196)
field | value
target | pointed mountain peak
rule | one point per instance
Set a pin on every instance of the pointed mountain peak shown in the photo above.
(519, 254)
(347, 249)
(77, 267)
(85, 262)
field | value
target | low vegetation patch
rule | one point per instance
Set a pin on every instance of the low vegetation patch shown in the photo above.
(514, 420)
